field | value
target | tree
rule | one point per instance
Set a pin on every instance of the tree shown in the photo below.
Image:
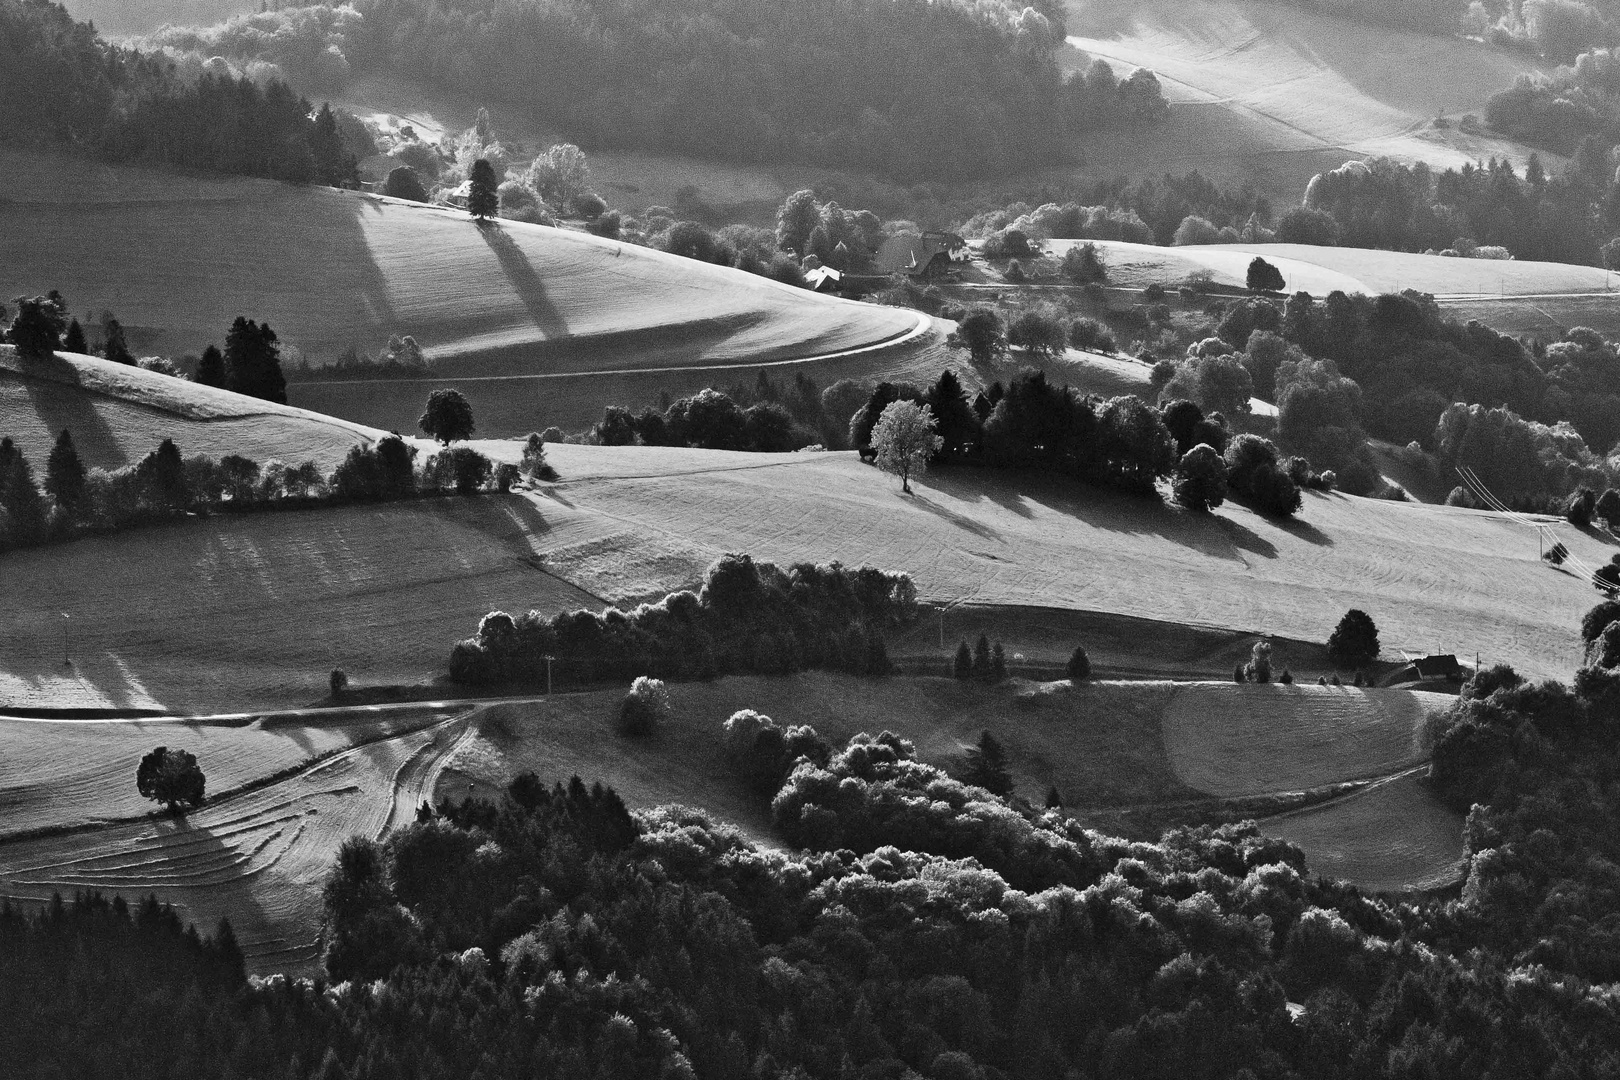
(1354, 642)
(1264, 277)
(1608, 507)
(798, 216)
(162, 477)
(904, 440)
(981, 657)
(1042, 333)
(982, 334)
(998, 663)
(448, 416)
(962, 665)
(987, 766)
(64, 475)
(253, 361)
(211, 368)
(1200, 479)
(403, 183)
(37, 329)
(533, 464)
(1580, 508)
(644, 707)
(338, 681)
(73, 341)
(1259, 667)
(1084, 264)
(22, 510)
(483, 201)
(171, 777)
(115, 347)
(560, 173)
(1079, 666)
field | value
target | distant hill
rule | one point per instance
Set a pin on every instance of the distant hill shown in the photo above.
(143, 16)
(178, 257)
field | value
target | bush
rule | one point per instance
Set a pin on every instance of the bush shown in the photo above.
(1091, 336)
(1259, 666)
(1083, 264)
(588, 205)
(403, 183)
(644, 708)
(608, 225)
(1079, 666)
(1015, 273)
(462, 469)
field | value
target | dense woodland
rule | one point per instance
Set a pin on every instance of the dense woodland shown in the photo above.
(921, 926)
(62, 87)
(912, 89)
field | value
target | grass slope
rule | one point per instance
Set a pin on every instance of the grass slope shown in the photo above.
(1233, 741)
(1273, 93)
(178, 258)
(144, 16)
(254, 611)
(1392, 835)
(628, 520)
(118, 414)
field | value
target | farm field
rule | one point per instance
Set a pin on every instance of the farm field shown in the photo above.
(253, 611)
(1391, 835)
(257, 859)
(118, 414)
(1234, 740)
(1273, 93)
(331, 269)
(58, 774)
(1321, 270)
(1434, 578)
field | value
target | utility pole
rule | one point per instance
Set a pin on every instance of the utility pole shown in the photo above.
(66, 659)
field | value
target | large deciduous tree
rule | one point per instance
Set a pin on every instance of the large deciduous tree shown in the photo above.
(448, 416)
(171, 777)
(904, 439)
(1354, 642)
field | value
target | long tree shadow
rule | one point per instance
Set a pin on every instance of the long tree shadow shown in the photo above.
(59, 399)
(961, 521)
(1245, 538)
(526, 282)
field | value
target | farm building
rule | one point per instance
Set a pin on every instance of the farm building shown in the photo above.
(927, 257)
(823, 278)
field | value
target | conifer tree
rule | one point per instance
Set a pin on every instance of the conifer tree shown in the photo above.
(115, 347)
(981, 658)
(998, 664)
(211, 367)
(987, 766)
(22, 509)
(253, 361)
(962, 666)
(483, 201)
(64, 474)
(74, 341)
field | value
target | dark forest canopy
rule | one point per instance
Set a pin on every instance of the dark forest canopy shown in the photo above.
(908, 88)
(62, 87)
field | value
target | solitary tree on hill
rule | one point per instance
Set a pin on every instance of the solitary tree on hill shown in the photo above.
(448, 417)
(64, 474)
(1264, 277)
(483, 201)
(1354, 642)
(904, 439)
(171, 777)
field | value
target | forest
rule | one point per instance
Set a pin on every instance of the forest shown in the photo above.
(909, 89)
(921, 926)
(62, 87)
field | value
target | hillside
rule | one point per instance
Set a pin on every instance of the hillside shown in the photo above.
(524, 318)
(118, 414)
(1274, 93)
(263, 606)
(116, 17)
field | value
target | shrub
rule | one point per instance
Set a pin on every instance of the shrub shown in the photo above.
(608, 225)
(1079, 666)
(403, 183)
(506, 474)
(1286, 678)
(1083, 264)
(1015, 273)
(1239, 675)
(338, 681)
(588, 205)
(1259, 666)
(644, 708)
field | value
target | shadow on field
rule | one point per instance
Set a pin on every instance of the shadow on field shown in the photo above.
(961, 521)
(54, 389)
(525, 281)
(1245, 538)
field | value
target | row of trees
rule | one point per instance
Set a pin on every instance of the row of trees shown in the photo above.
(163, 485)
(67, 88)
(748, 617)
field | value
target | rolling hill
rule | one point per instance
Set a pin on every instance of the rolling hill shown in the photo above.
(1274, 93)
(529, 321)
(118, 414)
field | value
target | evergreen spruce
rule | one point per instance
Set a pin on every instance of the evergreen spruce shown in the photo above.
(115, 347)
(998, 664)
(987, 766)
(211, 368)
(74, 341)
(962, 666)
(482, 201)
(64, 475)
(253, 361)
(981, 658)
